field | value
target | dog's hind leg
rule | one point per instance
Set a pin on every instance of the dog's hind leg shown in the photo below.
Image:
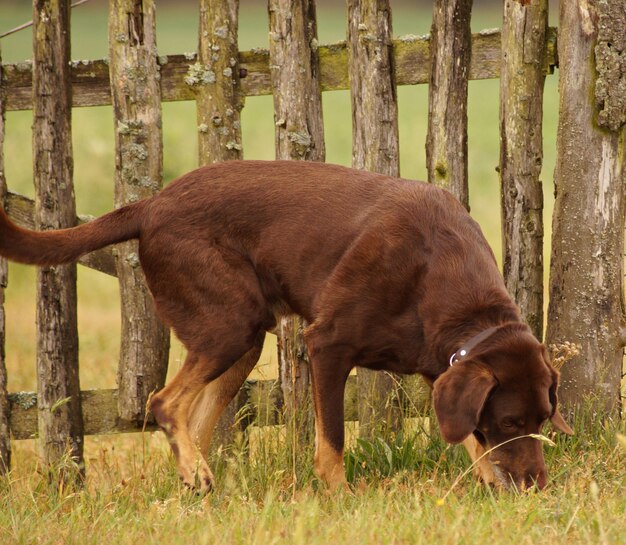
(212, 299)
(210, 403)
(171, 408)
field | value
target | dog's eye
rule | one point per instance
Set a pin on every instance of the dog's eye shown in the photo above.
(511, 424)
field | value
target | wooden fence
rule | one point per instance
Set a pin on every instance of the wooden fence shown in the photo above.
(586, 272)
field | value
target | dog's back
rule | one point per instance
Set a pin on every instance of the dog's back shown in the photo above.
(295, 220)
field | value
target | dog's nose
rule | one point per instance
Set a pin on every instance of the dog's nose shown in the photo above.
(538, 479)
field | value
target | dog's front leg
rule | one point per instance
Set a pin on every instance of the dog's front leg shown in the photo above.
(328, 380)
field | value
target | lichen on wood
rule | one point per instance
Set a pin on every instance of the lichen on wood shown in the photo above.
(90, 79)
(610, 58)
(61, 431)
(450, 55)
(136, 93)
(214, 80)
(261, 401)
(586, 270)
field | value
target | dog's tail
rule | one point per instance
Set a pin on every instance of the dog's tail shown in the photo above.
(46, 248)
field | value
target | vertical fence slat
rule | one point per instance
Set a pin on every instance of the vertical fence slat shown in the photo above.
(446, 140)
(374, 148)
(522, 78)
(586, 272)
(59, 408)
(5, 431)
(136, 97)
(215, 80)
(299, 135)
(215, 77)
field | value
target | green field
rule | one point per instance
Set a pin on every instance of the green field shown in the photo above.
(132, 492)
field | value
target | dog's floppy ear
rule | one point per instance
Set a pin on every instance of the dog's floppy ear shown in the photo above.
(557, 420)
(459, 395)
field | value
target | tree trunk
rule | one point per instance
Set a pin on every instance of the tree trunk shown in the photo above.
(374, 148)
(446, 140)
(215, 77)
(521, 154)
(299, 135)
(136, 97)
(586, 305)
(60, 416)
(5, 432)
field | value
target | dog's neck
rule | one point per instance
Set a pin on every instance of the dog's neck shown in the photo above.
(468, 334)
(467, 349)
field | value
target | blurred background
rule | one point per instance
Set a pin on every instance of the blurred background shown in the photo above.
(93, 144)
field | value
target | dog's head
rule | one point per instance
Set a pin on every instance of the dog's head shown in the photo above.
(501, 395)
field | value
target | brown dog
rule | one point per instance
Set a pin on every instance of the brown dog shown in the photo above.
(391, 274)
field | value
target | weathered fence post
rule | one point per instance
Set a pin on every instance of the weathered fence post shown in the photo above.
(136, 97)
(446, 140)
(522, 77)
(58, 399)
(586, 274)
(5, 432)
(215, 80)
(374, 148)
(299, 135)
(215, 77)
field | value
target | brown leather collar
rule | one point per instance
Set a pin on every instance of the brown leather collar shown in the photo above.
(464, 351)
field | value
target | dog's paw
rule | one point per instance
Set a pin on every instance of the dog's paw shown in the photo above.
(200, 481)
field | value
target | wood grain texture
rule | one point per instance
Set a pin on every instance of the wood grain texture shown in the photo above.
(446, 139)
(136, 93)
(263, 403)
(58, 387)
(5, 436)
(521, 155)
(214, 79)
(90, 78)
(586, 272)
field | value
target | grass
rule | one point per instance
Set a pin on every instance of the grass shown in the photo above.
(132, 492)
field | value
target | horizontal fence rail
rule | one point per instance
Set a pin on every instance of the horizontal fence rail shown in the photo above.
(259, 402)
(91, 85)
